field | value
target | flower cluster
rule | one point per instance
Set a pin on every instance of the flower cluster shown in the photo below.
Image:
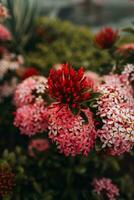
(105, 188)
(37, 145)
(117, 132)
(6, 180)
(71, 133)
(128, 75)
(10, 65)
(68, 86)
(32, 89)
(122, 84)
(106, 38)
(31, 119)
(69, 121)
(31, 115)
(3, 12)
(5, 34)
(93, 80)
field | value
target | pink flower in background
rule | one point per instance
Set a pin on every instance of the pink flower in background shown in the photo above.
(7, 88)
(31, 119)
(39, 145)
(4, 33)
(122, 84)
(128, 76)
(94, 79)
(117, 132)
(105, 188)
(3, 12)
(30, 90)
(126, 47)
(72, 134)
(106, 38)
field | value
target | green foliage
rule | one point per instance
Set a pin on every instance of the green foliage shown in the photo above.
(21, 21)
(57, 42)
(51, 176)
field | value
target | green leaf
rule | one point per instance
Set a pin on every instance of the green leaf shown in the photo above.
(75, 111)
(128, 30)
(83, 115)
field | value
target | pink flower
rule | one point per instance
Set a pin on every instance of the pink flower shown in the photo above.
(122, 83)
(93, 79)
(30, 90)
(31, 119)
(126, 48)
(72, 134)
(105, 187)
(3, 12)
(4, 33)
(39, 145)
(117, 132)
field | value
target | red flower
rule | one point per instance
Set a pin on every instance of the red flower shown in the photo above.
(31, 71)
(68, 86)
(106, 38)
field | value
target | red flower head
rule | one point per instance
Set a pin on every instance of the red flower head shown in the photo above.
(68, 86)
(6, 180)
(31, 71)
(106, 38)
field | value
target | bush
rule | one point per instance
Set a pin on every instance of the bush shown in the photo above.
(59, 42)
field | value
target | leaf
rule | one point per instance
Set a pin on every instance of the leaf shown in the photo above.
(75, 111)
(83, 115)
(128, 30)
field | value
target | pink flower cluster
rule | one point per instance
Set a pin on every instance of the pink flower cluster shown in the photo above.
(128, 75)
(30, 90)
(70, 132)
(4, 33)
(72, 127)
(38, 145)
(122, 84)
(31, 119)
(31, 115)
(9, 63)
(3, 12)
(115, 107)
(93, 79)
(105, 187)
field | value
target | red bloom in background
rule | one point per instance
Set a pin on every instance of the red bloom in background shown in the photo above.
(68, 86)
(31, 71)
(106, 38)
